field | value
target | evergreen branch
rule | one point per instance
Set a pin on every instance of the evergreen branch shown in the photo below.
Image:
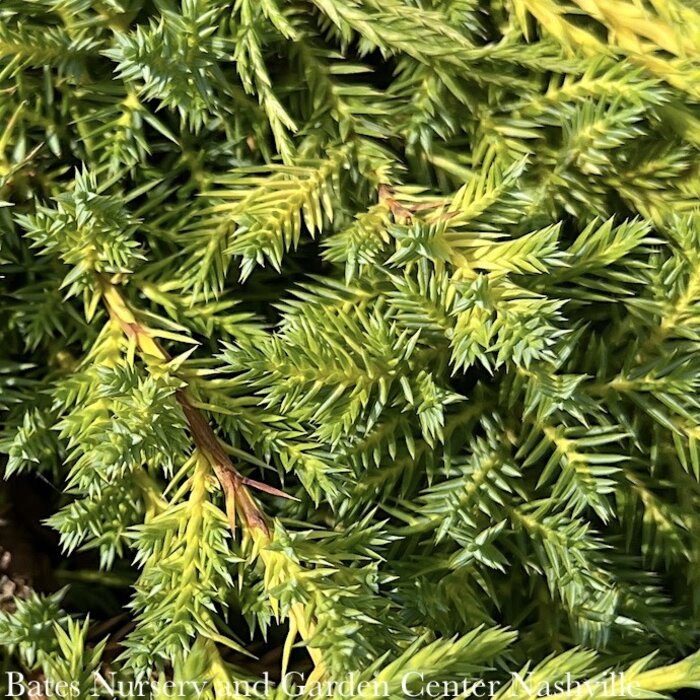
(233, 484)
(635, 32)
(235, 487)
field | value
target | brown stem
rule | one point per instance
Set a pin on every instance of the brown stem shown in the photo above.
(234, 485)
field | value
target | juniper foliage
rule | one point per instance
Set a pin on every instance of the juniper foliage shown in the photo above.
(359, 334)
